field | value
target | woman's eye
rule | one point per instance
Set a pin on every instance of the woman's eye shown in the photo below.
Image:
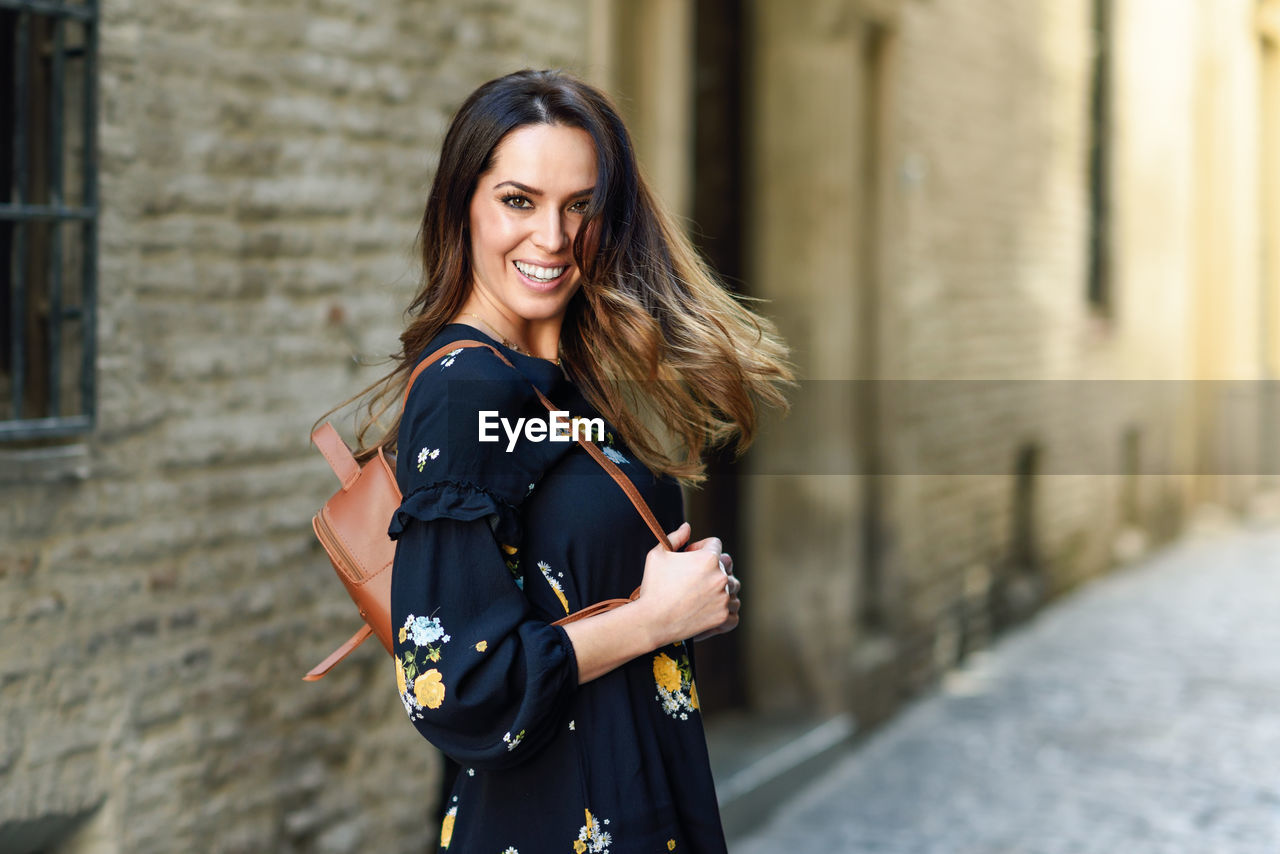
(519, 202)
(580, 207)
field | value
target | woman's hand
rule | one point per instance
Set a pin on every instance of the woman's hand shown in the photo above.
(732, 586)
(688, 593)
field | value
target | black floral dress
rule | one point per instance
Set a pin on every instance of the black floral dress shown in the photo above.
(496, 540)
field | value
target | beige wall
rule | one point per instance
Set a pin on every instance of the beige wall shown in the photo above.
(1269, 45)
(1229, 305)
(971, 266)
(642, 55)
(803, 254)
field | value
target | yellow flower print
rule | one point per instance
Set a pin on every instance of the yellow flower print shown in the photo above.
(666, 673)
(482, 646)
(592, 838)
(676, 691)
(423, 639)
(428, 689)
(446, 827)
(509, 549)
(671, 845)
(555, 585)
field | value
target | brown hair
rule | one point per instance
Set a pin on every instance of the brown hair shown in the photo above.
(650, 328)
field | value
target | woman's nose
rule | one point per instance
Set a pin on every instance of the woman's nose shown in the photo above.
(550, 234)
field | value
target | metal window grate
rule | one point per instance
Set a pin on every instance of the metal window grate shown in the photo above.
(48, 216)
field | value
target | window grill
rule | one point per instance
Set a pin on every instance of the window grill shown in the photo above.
(48, 216)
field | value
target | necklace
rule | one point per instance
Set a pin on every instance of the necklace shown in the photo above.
(508, 343)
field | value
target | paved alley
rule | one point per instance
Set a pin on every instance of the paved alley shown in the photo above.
(1141, 715)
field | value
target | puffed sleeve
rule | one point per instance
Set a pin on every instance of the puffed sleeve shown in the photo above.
(480, 675)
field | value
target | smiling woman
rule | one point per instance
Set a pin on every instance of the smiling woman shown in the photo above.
(525, 214)
(541, 241)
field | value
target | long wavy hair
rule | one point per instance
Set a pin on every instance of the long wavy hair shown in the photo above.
(651, 334)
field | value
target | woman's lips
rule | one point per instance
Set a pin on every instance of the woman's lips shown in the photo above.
(539, 284)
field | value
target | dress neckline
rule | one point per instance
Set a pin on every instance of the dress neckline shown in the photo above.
(539, 367)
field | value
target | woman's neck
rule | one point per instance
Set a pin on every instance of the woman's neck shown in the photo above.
(539, 339)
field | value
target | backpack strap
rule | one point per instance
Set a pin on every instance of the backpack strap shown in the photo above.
(340, 653)
(336, 454)
(344, 465)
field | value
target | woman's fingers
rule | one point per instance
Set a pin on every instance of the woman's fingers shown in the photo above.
(690, 597)
(730, 621)
(679, 536)
(712, 543)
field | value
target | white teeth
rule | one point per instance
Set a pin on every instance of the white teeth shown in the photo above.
(542, 274)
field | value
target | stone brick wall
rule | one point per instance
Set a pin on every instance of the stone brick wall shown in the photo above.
(993, 120)
(921, 218)
(263, 167)
(992, 263)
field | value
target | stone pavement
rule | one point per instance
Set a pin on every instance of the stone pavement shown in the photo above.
(1141, 715)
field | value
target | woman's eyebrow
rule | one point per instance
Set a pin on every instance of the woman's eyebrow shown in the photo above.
(525, 188)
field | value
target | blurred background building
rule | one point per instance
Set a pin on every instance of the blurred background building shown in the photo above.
(1027, 253)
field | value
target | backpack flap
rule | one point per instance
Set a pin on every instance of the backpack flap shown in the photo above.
(352, 528)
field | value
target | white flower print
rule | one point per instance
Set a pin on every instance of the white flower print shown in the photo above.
(676, 691)
(426, 634)
(614, 455)
(421, 686)
(418, 691)
(426, 630)
(591, 838)
(513, 741)
(411, 707)
(556, 586)
(449, 357)
(426, 454)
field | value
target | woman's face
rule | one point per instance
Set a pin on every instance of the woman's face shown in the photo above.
(524, 214)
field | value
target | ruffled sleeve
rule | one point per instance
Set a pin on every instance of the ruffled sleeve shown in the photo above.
(480, 675)
(455, 458)
(462, 500)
